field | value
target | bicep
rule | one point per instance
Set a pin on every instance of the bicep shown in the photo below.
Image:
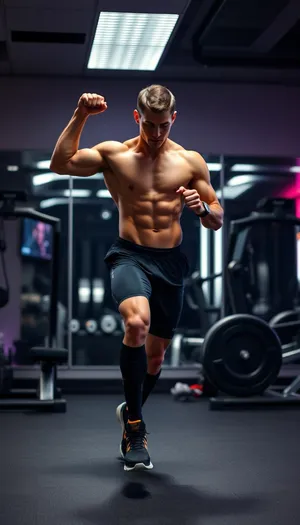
(86, 162)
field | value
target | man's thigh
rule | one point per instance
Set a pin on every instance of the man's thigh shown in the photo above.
(128, 280)
(165, 305)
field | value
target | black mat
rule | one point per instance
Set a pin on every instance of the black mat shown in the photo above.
(211, 468)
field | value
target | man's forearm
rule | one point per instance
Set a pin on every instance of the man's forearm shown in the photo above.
(214, 220)
(68, 142)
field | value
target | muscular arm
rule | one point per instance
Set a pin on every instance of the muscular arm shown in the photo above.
(68, 159)
(201, 183)
(87, 161)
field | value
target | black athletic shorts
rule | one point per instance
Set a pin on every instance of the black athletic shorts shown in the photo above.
(155, 273)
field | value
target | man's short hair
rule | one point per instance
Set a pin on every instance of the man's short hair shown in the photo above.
(156, 98)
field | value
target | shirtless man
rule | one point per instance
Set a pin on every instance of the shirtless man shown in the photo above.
(150, 178)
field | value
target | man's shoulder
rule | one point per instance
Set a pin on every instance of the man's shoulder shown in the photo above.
(196, 163)
(189, 154)
(130, 143)
(193, 157)
(111, 146)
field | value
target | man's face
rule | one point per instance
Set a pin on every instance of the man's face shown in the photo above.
(154, 127)
(40, 232)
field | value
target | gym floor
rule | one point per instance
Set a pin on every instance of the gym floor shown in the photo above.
(230, 467)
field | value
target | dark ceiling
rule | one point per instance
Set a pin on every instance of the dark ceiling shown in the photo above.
(227, 40)
(233, 40)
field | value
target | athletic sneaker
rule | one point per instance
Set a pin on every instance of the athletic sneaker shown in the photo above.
(122, 416)
(136, 456)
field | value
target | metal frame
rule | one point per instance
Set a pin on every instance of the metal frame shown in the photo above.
(28, 399)
(288, 396)
(271, 397)
(70, 271)
(30, 213)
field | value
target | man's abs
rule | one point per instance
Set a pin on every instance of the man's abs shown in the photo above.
(145, 193)
(154, 238)
(152, 221)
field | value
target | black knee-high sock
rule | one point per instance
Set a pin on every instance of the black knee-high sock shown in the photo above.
(149, 384)
(133, 364)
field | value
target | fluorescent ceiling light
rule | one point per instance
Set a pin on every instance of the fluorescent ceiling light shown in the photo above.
(245, 168)
(233, 192)
(12, 168)
(49, 203)
(214, 166)
(103, 193)
(131, 41)
(239, 180)
(252, 168)
(46, 178)
(244, 179)
(43, 164)
(77, 193)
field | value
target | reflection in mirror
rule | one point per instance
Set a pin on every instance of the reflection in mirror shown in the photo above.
(262, 206)
(96, 325)
(27, 258)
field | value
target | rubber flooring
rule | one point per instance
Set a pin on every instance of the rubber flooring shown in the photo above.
(214, 468)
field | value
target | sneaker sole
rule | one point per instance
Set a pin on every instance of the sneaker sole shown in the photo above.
(121, 452)
(119, 416)
(138, 466)
(121, 421)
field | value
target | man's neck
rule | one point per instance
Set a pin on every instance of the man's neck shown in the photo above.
(151, 153)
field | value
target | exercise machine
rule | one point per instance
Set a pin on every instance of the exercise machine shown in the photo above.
(193, 338)
(242, 354)
(261, 279)
(46, 397)
(242, 357)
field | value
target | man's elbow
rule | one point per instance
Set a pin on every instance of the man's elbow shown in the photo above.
(218, 224)
(212, 224)
(60, 170)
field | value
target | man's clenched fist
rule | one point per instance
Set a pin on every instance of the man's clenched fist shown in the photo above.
(91, 104)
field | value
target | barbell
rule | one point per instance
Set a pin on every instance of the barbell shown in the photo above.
(242, 355)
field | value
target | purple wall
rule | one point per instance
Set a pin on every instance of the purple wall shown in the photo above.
(230, 119)
(10, 314)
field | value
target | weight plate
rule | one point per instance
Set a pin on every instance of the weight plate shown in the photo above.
(242, 355)
(91, 326)
(74, 326)
(108, 324)
(287, 316)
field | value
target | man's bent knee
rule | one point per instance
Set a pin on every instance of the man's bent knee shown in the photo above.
(135, 312)
(155, 363)
(136, 330)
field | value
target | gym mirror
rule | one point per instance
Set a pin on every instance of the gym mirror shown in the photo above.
(263, 274)
(26, 259)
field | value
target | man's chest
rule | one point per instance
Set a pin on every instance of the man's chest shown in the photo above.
(160, 175)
